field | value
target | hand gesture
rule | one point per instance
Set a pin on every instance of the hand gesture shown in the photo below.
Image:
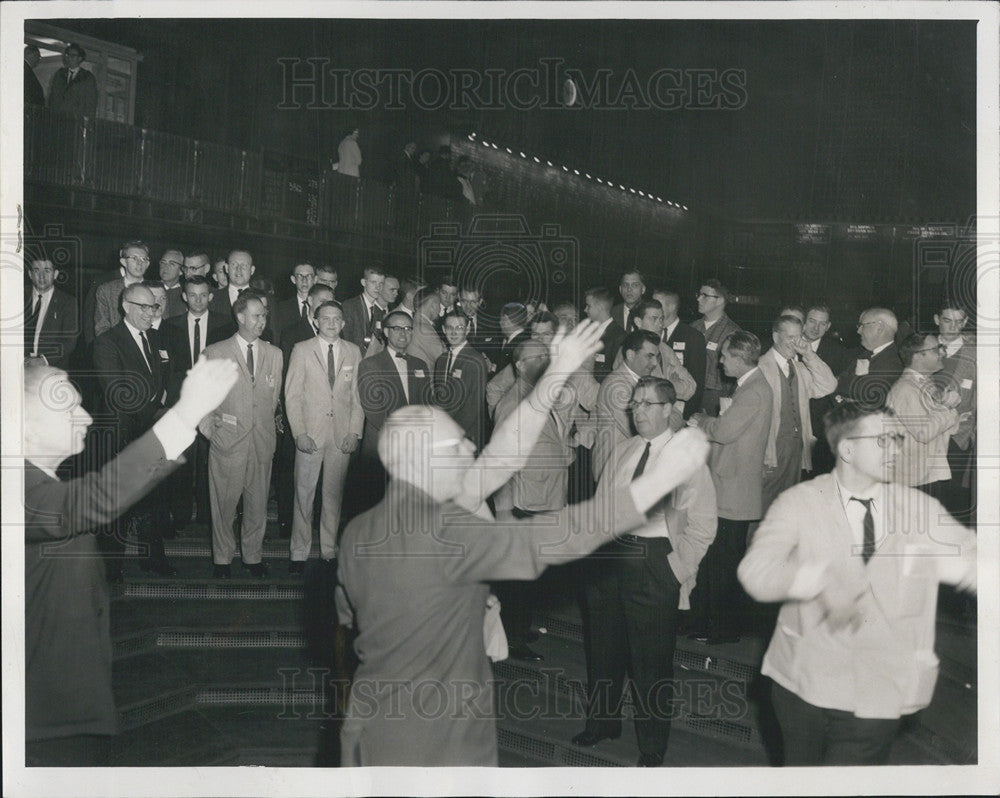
(950, 398)
(205, 388)
(685, 453)
(569, 350)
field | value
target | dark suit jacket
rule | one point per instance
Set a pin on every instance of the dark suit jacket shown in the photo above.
(177, 342)
(286, 313)
(604, 362)
(67, 634)
(836, 356)
(33, 94)
(462, 393)
(356, 322)
(501, 354)
(872, 388)
(60, 327)
(130, 391)
(381, 393)
(175, 302)
(689, 346)
(297, 331)
(220, 303)
(78, 97)
(618, 314)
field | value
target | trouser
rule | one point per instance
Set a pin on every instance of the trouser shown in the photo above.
(230, 476)
(283, 477)
(717, 601)
(787, 472)
(813, 735)
(333, 463)
(631, 606)
(517, 599)
(189, 485)
(959, 497)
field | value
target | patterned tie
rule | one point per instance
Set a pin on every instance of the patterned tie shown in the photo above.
(331, 367)
(30, 325)
(146, 351)
(868, 544)
(250, 360)
(197, 342)
(641, 466)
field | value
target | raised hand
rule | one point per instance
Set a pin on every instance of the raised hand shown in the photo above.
(676, 463)
(569, 350)
(206, 386)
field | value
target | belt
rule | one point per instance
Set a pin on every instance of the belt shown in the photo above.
(628, 538)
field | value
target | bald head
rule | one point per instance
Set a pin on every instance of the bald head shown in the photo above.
(55, 424)
(877, 326)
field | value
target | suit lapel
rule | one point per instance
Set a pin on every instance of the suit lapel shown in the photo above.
(240, 357)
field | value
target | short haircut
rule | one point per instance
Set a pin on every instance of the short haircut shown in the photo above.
(398, 314)
(884, 315)
(178, 250)
(470, 289)
(240, 305)
(322, 305)
(818, 306)
(784, 319)
(912, 344)
(719, 288)
(198, 253)
(950, 304)
(262, 285)
(133, 244)
(546, 317)
(516, 312)
(422, 295)
(636, 272)
(36, 253)
(664, 389)
(303, 262)
(797, 308)
(634, 340)
(373, 270)
(325, 267)
(447, 281)
(600, 295)
(567, 306)
(154, 284)
(525, 345)
(389, 276)
(197, 279)
(672, 296)
(641, 309)
(843, 418)
(410, 284)
(74, 47)
(455, 314)
(319, 288)
(229, 255)
(744, 345)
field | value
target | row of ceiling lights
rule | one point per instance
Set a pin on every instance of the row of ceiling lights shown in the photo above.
(536, 159)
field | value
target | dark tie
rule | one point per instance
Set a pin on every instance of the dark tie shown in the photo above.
(868, 544)
(641, 466)
(305, 310)
(377, 313)
(791, 373)
(146, 351)
(451, 362)
(401, 355)
(250, 360)
(629, 320)
(197, 341)
(30, 325)
(331, 366)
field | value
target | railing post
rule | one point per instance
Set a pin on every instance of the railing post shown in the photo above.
(243, 178)
(194, 170)
(82, 160)
(142, 162)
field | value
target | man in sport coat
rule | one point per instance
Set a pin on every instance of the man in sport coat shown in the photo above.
(460, 379)
(51, 320)
(73, 89)
(687, 343)
(241, 432)
(325, 418)
(877, 365)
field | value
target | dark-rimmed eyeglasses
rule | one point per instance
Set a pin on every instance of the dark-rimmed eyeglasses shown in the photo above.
(634, 405)
(940, 348)
(883, 439)
(398, 328)
(144, 307)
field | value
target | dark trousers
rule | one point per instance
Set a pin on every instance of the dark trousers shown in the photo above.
(710, 401)
(189, 485)
(959, 497)
(517, 600)
(717, 601)
(631, 610)
(813, 735)
(283, 476)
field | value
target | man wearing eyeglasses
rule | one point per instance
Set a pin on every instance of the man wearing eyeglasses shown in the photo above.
(929, 416)
(876, 364)
(716, 326)
(133, 371)
(856, 560)
(638, 583)
(171, 266)
(134, 260)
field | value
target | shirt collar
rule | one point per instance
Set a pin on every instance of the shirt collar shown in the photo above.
(632, 373)
(136, 332)
(459, 348)
(46, 293)
(951, 349)
(815, 344)
(878, 349)
(745, 377)
(243, 342)
(192, 316)
(874, 492)
(661, 440)
(669, 329)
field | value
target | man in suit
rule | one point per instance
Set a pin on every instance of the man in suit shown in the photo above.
(856, 561)
(185, 337)
(876, 365)
(832, 352)
(133, 368)
(687, 343)
(241, 432)
(363, 314)
(67, 608)
(327, 275)
(470, 300)
(289, 310)
(33, 94)
(408, 286)
(387, 381)
(197, 263)
(513, 324)
(715, 326)
(325, 418)
(171, 266)
(134, 259)
(632, 287)
(51, 322)
(642, 580)
(73, 89)
(793, 383)
(739, 440)
(390, 292)
(460, 380)
(425, 342)
(597, 306)
(238, 271)
(640, 351)
(419, 599)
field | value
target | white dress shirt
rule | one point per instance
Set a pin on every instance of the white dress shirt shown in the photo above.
(404, 374)
(656, 521)
(44, 309)
(203, 332)
(137, 336)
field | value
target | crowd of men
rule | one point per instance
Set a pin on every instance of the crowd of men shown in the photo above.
(320, 380)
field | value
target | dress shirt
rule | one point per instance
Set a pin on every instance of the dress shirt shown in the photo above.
(234, 292)
(404, 374)
(669, 329)
(512, 336)
(137, 337)
(323, 347)
(452, 356)
(951, 348)
(204, 334)
(745, 377)
(782, 362)
(243, 348)
(878, 349)
(656, 522)
(814, 345)
(710, 324)
(46, 299)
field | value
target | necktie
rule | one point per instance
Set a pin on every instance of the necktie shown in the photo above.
(377, 315)
(196, 350)
(331, 367)
(641, 466)
(451, 362)
(791, 373)
(401, 355)
(250, 360)
(30, 325)
(868, 543)
(146, 351)
(305, 310)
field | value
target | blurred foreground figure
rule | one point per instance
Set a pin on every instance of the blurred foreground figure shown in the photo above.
(67, 632)
(856, 560)
(413, 570)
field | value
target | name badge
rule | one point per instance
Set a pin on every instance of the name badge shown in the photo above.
(599, 358)
(228, 419)
(725, 402)
(348, 368)
(456, 373)
(966, 385)
(378, 325)
(418, 373)
(861, 367)
(164, 355)
(711, 346)
(678, 346)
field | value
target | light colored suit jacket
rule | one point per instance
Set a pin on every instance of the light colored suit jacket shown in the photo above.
(923, 457)
(739, 437)
(612, 423)
(425, 344)
(814, 380)
(689, 513)
(244, 422)
(959, 374)
(107, 305)
(313, 408)
(887, 667)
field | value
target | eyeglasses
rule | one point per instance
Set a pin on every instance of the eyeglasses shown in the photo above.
(143, 307)
(701, 294)
(399, 328)
(177, 263)
(137, 258)
(863, 324)
(633, 405)
(882, 439)
(940, 348)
